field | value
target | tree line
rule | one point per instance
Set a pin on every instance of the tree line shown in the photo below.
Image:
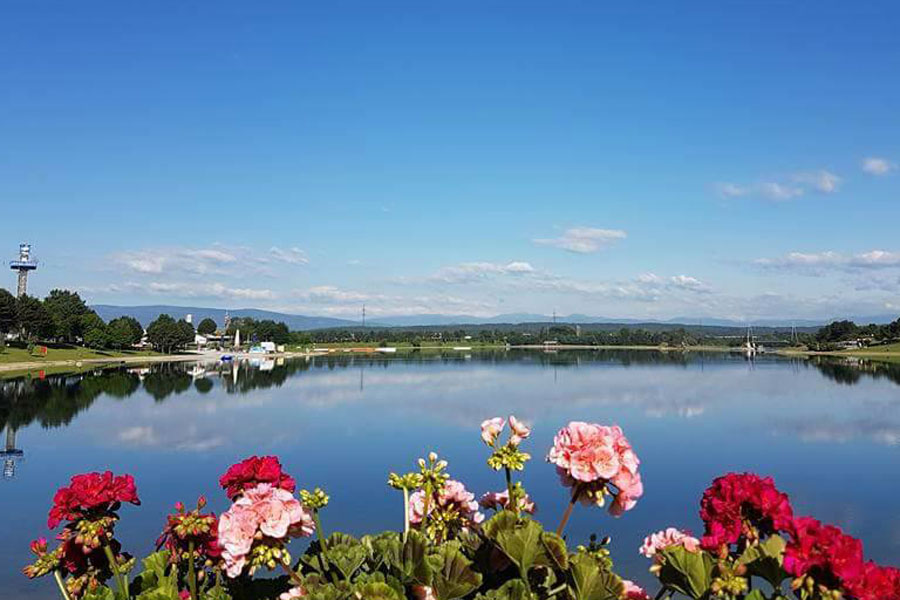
(63, 317)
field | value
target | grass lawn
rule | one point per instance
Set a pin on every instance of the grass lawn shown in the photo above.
(885, 349)
(18, 353)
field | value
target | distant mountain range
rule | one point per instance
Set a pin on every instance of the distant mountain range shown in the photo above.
(146, 314)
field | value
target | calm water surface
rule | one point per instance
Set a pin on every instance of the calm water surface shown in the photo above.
(828, 432)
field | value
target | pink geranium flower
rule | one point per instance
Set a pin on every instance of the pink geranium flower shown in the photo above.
(500, 500)
(633, 591)
(667, 538)
(294, 592)
(591, 456)
(490, 430)
(265, 510)
(453, 498)
(520, 431)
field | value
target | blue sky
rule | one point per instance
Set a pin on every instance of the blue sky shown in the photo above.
(711, 159)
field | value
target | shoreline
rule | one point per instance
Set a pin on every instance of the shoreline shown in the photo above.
(29, 366)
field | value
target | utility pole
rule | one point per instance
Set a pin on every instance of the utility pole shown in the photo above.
(364, 316)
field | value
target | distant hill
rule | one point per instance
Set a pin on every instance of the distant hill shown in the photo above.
(147, 314)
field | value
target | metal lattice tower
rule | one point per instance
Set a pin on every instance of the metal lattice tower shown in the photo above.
(23, 265)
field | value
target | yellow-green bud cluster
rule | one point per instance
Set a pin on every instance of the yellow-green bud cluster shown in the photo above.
(314, 500)
(432, 472)
(729, 586)
(808, 588)
(408, 481)
(43, 564)
(508, 457)
(270, 557)
(91, 534)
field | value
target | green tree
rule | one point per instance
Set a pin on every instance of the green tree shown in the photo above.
(124, 332)
(66, 308)
(206, 326)
(167, 335)
(7, 313)
(35, 321)
(94, 331)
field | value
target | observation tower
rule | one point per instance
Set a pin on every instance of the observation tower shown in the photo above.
(23, 265)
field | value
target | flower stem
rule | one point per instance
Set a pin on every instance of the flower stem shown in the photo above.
(121, 581)
(323, 546)
(511, 503)
(405, 514)
(62, 586)
(192, 572)
(568, 513)
(294, 576)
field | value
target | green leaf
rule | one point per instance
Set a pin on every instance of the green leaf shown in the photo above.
(377, 591)
(755, 595)
(766, 560)
(521, 543)
(502, 521)
(513, 589)
(689, 573)
(455, 578)
(101, 593)
(554, 553)
(157, 581)
(589, 582)
(414, 564)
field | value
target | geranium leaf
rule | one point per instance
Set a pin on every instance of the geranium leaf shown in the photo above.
(455, 578)
(555, 554)
(589, 582)
(513, 589)
(377, 591)
(689, 573)
(521, 543)
(765, 560)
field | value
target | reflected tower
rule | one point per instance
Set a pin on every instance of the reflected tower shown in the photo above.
(11, 455)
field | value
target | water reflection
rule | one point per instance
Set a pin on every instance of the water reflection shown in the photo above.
(692, 416)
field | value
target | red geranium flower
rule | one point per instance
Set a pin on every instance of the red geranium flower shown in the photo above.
(91, 493)
(743, 505)
(876, 583)
(823, 552)
(251, 472)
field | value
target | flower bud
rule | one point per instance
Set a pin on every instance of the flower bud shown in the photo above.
(201, 502)
(179, 506)
(432, 456)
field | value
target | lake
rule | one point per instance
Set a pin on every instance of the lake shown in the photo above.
(827, 430)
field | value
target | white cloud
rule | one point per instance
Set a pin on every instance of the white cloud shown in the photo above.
(780, 191)
(731, 190)
(823, 181)
(198, 261)
(291, 256)
(819, 261)
(583, 240)
(877, 166)
(783, 189)
(190, 289)
(475, 271)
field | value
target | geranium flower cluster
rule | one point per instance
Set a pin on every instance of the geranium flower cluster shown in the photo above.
(257, 526)
(252, 471)
(506, 456)
(589, 457)
(743, 506)
(89, 495)
(191, 535)
(88, 553)
(500, 500)
(450, 509)
(823, 558)
(668, 538)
